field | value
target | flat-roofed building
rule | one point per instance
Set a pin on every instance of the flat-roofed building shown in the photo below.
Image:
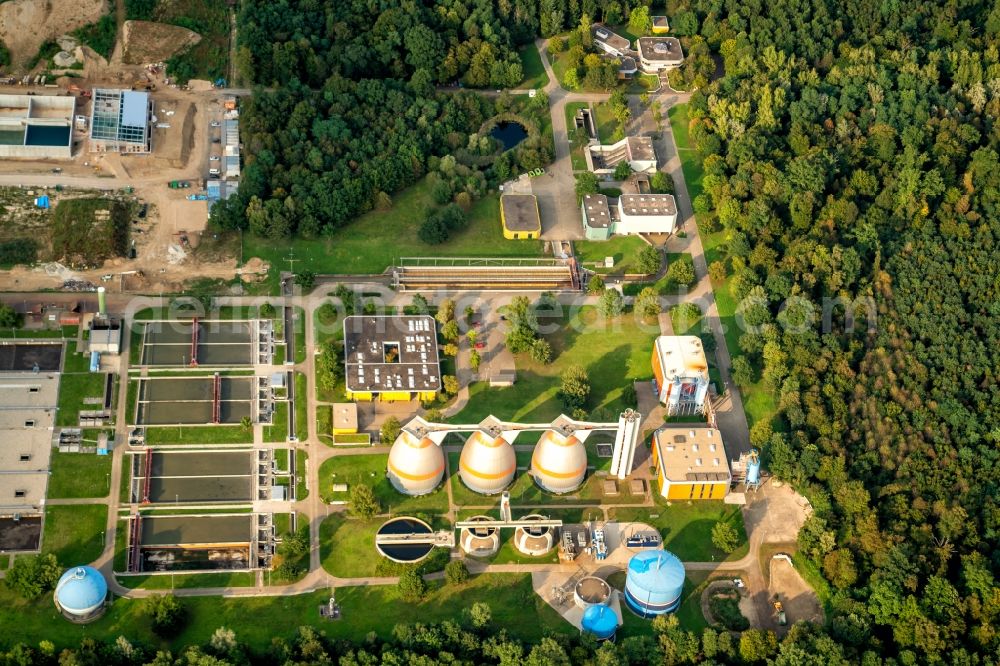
(680, 373)
(391, 357)
(26, 430)
(638, 151)
(660, 25)
(646, 214)
(659, 54)
(36, 126)
(519, 216)
(690, 462)
(345, 418)
(597, 222)
(120, 121)
(610, 42)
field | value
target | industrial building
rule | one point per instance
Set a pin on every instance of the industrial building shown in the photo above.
(120, 121)
(487, 464)
(628, 214)
(660, 25)
(690, 461)
(654, 581)
(26, 431)
(636, 150)
(36, 126)
(659, 54)
(391, 357)
(559, 462)
(345, 418)
(81, 594)
(519, 216)
(416, 464)
(680, 373)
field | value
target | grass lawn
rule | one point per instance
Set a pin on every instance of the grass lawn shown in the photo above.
(642, 83)
(686, 527)
(377, 239)
(347, 546)
(79, 475)
(217, 434)
(299, 324)
(278, 430)
(179, 581)
(75, 534)
(624, 250)
(75, 362)
(534, 71)
(607, 124)
(301, 491)
(576, 147)
(370, 470)
(327, 325)
(514, 605)
(614, 353)
(301, 406)
(758, 402)
(74, 388)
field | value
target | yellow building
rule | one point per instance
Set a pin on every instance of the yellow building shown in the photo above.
(519, 216)
(345, 418)
(690, 461)
(391, 358)
(660, 25)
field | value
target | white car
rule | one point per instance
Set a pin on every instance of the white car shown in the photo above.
(213, 158)
(216, 123)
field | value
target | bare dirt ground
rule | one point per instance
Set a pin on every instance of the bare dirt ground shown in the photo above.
(145, 41)
(799, 601)
(25, 24)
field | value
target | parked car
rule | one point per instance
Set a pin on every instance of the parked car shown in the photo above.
(213, 158)
(216, 123)
(480, 345)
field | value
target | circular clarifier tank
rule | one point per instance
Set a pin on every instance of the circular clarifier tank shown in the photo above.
(404, 552)
(480, 541)
(533, 540)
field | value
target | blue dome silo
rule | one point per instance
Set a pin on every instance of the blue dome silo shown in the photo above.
(81, 592)
(654, 582)
(601, 621)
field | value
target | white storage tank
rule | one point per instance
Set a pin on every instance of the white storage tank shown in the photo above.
(416, 465)
(559, 462)
(487, 464)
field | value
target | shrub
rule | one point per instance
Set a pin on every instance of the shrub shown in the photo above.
(726, 609)
(411, 585)
(725, 537)
(681, 272)
(611, 303)
(32, 576)
(595, 284)
(541, 351)
(575, 387)
(389, 430)
(456, 573)
(166, 614)
(649, 259)
(363, 503)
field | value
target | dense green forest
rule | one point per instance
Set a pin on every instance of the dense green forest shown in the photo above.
(851, 155)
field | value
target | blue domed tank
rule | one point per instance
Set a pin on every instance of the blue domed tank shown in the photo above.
(80, 593)
(654, 582)
(600, 621)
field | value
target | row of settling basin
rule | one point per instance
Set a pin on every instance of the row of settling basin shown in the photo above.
(488, 463)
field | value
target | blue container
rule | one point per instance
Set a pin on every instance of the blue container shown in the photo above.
(81, 591)
(753, 472)
(654, 582)
(95, 361)
(600, 621)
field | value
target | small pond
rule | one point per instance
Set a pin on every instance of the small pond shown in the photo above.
(509, 133)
